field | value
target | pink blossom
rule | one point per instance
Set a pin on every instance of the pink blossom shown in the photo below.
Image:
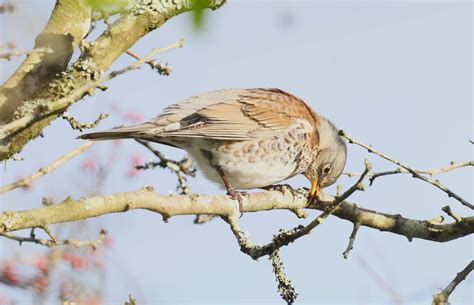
(41, 263)
(76, 261)
(88, 164)
(9, 272)
(134, 117)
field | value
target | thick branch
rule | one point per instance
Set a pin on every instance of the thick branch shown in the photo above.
(46, 108)
(68, 24)
(167, 206)
(97, 58)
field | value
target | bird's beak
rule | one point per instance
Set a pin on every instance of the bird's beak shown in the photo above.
(315, 189)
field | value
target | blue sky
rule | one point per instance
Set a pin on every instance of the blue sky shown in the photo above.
(397, 75)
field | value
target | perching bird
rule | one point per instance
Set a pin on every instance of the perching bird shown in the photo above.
(247, 138)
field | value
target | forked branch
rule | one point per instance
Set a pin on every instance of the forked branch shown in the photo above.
(409, 169)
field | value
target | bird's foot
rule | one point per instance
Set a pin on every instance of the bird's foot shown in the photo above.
(237, 195)
(282, 188)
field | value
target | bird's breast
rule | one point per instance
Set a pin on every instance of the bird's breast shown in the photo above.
(253, 163)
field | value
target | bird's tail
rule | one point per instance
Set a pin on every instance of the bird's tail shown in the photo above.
(137, 131)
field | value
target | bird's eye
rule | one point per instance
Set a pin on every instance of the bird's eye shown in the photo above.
(326, 169)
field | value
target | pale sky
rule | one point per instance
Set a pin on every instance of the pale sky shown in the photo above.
(397, 75)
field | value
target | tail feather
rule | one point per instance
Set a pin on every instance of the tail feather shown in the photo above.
(137, 131)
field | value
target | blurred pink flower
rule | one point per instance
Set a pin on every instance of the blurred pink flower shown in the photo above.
(133, 172)
(76, 261)
(41, 283)
(134, 117)
(9, 273)
(137, 159)
(41, 262)
(88, 164)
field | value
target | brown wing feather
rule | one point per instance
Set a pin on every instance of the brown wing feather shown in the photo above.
(231, 114)
(255, 113)
(276, 108)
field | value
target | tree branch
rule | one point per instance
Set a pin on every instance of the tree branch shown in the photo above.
(285, 237)
(285, 287)
(442, 297)
(181, 168)
(14, 53)
(45, 108)
(73, 210)
(54, 242)
(412, 171)
(162, 69)
(77, 125)
(47, 169)
(350, 245)
(97, 57)
(68, 24)
(432, 172)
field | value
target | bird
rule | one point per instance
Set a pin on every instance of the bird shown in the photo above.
(247, 138)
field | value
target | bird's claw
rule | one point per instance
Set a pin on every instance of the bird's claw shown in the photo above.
(283, 188)
(238, 195)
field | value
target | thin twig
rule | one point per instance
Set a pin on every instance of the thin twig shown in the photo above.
(15, 53)
(352, 238)
(285, 287)
(432, 172)
(61, 104)
(77, 125)
(442, 297)
(131, 300)
(47, 169)
(54, 242)
(181, 168)
(162, 69)
(435, 183)
(447, 210)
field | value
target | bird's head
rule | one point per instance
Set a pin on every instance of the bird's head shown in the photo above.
(329, 159)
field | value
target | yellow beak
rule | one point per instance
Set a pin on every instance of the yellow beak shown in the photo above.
(315, 189)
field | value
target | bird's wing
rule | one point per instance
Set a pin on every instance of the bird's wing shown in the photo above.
(234, 114)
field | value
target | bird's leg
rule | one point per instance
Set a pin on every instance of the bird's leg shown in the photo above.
(230, 190)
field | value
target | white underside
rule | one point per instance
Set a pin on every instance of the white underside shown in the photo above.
(241, 173)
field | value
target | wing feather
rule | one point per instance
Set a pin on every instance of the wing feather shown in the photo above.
(229, 114)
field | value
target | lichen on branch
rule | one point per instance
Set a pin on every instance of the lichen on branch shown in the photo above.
(96, 58)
